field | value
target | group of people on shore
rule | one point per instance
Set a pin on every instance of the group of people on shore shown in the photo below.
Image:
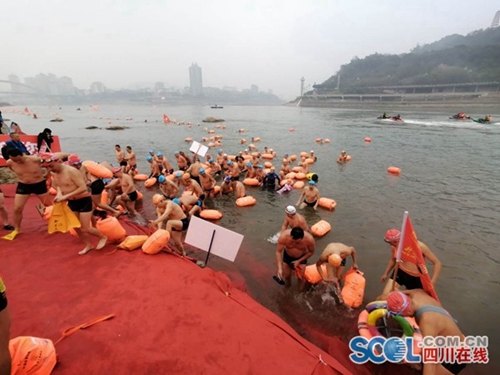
(183, 193)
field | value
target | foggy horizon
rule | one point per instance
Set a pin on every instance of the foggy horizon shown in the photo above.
(271, 44)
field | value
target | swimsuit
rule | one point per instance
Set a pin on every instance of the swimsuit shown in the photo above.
(409, 281)
(185, 224)
(123, 163)
(133, 196)
(289, 259)
(38, 188)
(342, 264)
(80, 205)
(312, 204)
(97, 187)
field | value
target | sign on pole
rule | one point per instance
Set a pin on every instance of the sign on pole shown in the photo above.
(198, 148)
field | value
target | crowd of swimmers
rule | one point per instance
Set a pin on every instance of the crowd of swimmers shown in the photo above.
(183, 191)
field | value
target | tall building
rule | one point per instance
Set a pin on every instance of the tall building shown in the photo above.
(195, 80)
(97, 88)
(14, 79)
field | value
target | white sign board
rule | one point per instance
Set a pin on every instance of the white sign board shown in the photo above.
(198, 148)
(225, 245)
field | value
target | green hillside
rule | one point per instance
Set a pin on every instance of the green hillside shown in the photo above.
(453, 59)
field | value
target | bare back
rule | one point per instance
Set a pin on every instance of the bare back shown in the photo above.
(28, 170)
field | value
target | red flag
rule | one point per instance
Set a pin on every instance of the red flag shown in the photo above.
(166, 120)
(409, 251)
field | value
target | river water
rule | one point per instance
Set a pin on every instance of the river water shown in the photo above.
(449, 184)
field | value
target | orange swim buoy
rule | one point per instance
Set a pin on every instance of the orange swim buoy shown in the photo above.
(243, 141)
(394, 170)
(150, 182)
(300, 176)
(111, 228)
(290, 175)
(267, 156)
(298, 185)
(97, 170)
(354, 288)
(312, 275)
(327, 140)
(293, 157)
(309, 161)
(250, 182)
(139, 195)
(211, 214)
(104, 197)
(133, 242)
(321, 228)
(32, 355)
(141, 177)
(268, 164)
(368, 139)
(246, 201)
(327, 203)
(156, 242)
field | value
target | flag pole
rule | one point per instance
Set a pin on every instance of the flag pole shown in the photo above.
(399, 251)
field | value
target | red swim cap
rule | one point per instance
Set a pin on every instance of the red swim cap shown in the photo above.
(398, 303)
(74, 159)
(392, 235)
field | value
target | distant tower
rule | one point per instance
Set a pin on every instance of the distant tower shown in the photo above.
(496, 19)
(302, 86)
(195, 80)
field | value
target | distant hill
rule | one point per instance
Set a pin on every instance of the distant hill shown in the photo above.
(453, 59)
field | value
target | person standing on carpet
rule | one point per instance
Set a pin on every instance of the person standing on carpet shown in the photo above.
(5, 362)
(71, 187)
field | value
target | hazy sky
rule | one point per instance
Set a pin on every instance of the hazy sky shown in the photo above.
(270, 43)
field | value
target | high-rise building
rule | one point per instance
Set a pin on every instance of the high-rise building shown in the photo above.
(97, 88)
(14, 80)
(195, 80)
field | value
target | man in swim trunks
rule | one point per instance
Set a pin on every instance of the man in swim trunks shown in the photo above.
(225, 187)
(335, 257)
(182, 163)
(207, 183)
(342, 157)
(5, 360)
(310, 196)
(120, 156)
(71, 187)
(167, 187)
(408, 272)
(432, 320)
(240, 190)
(250, 171)
(294, 219)
(194, 170)
(165, 167)
(155, 168)
(4, 214)
(129, 194)
(176, 224)
(131, 159)
(95, 184)
(31, 180)
(292, 251)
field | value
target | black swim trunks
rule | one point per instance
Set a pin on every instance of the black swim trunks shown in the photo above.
(97, 187)
(312, 204)
(185, 224)
(288, 260)
(123, 163)
(80, 205)
(409, 281)
(133, 196)
(237, 178)
(38, 188)
(342, 264)
(196, 178)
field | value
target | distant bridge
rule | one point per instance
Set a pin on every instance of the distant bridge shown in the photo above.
(32, 89)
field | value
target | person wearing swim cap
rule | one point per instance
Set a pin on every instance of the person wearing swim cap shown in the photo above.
(167, 187)
(72, 188)
(250, 171)
(285, 169)
(294, 219)
(194, 170)
(192, 187)
(342, 157)
(432, 319)
(335, 256)
(129, 193)
(120, 156)
(154, 167)
(408, 272)
(225, 187)
(312, 156)
(164, 164)
(5, 323)
(310, 196)
(182, 163)
(293, 250)
(30, 173)
(259, 173)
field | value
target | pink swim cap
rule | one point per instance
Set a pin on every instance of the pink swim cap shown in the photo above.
(392, 235)
(398, 303)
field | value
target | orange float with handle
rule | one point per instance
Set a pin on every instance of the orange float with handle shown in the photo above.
(246, 201)
(368, 140)
(312, 275)
(293, 157)
(150, 182)
(104, 196)
(111, 228)
(133, 242)
(354, 288)
(268, 164)
(141, 177)
(156, 242)
(327, 203)
(211, 214)
(298, 185)
(267, 156)
(300, 176)
(291, 175)
(251, 182)
(394, 170)
(321, 228)
(139, 195)
(32, 355)
(97, 170)
(309, 161)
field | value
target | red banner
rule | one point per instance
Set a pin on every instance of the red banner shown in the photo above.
(30, 142)
(409, 251)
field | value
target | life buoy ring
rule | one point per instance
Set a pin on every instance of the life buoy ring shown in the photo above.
(97, 170)
(327, 203)
(156, 242)
(321, 228)
(250, 182)
(246, 201)
(211, 214)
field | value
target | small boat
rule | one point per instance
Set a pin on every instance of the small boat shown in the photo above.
(392, 120)
(485, 120)
(460, 116)
(216, 107)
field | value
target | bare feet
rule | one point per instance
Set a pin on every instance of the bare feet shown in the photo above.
(101, 243)
(86, 250)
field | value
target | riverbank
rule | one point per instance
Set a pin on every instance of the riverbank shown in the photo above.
(7, 176)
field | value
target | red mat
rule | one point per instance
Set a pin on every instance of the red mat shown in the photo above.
(171, 317)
